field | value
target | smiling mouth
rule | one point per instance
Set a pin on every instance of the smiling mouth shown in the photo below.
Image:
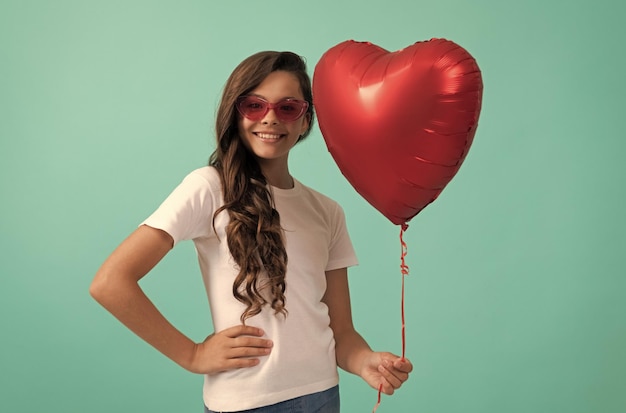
(268, 136)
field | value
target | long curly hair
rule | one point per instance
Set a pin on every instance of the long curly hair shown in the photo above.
(254, 234)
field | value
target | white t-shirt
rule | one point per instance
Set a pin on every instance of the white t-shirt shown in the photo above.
(302, 360)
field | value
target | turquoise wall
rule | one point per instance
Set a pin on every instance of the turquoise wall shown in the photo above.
(515, 301)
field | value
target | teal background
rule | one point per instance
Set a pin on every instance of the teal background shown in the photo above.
(515, 300)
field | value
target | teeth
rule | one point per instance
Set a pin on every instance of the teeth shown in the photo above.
(267, 136)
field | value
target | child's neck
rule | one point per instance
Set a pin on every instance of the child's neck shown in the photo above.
(277, 175)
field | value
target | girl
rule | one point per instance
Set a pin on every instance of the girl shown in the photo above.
(273, 255)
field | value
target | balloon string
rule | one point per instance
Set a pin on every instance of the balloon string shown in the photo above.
(380, 390)
(404, 269)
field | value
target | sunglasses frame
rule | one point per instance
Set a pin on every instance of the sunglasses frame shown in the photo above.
(304, 105)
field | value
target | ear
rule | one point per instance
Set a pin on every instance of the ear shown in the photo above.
(305, 123)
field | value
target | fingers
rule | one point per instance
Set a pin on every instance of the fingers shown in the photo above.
(232, 348)
(240, 363)
(403, 364)
(251, 348)
(244, 340)
(394, 372)
(241, 330)
(392, 379)
(251, 342)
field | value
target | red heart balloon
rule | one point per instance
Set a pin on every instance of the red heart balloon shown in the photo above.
(398, 124)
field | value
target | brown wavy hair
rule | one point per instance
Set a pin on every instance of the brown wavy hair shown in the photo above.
(254, 233)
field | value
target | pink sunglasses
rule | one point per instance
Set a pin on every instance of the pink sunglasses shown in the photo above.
(287, 110)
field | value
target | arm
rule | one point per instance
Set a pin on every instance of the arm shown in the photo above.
(353, 353)
(116, 288)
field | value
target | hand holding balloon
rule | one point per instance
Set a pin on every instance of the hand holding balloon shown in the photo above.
(386, 371)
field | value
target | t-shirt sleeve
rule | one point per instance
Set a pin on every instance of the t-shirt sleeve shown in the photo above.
(341, 252)
(187, 212)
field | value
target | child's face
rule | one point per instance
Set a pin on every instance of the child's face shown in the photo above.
(269, 138)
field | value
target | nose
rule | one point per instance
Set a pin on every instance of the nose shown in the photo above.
(270, 117)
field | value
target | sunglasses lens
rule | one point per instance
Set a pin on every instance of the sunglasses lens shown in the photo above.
(255, 108)
(252, 107)
(289, 110)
